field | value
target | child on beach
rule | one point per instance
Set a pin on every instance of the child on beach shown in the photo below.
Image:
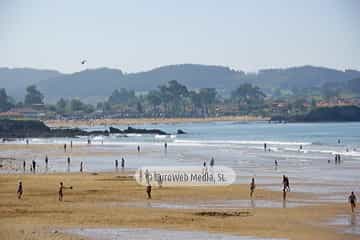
(61, 188)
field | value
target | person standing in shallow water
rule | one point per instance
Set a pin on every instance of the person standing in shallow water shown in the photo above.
(212, 162)
(24, 165)
(138, 148)
(65, 147)
(116, 164)
(265, 146)
(46, 162)
(252, 187)
(122, 163)
(81, 166)
(34, 166)
(20, 190)
(352, 201)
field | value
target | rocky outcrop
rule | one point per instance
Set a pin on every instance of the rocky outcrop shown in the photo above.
(325, 114)
(34, 129)
(179, 131)
(138, 131)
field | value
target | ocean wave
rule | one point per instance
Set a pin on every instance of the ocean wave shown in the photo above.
(238, 142)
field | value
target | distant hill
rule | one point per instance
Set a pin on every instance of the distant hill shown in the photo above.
(96, 84)
(302, 77)
(15, 80)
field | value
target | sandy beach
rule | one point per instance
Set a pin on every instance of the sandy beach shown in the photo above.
(103, 198)
(99, 200)
(139, 121)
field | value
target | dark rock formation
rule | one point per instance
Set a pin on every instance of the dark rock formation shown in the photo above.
(179, 131)
(137, 131)
(33, 128)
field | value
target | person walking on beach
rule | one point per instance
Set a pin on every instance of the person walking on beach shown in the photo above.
(352, 201)
(116, 164)
(24, 165)
(68, 164)
(122, 163)
(61, 190)
(212, 162)
(148, 191)
(265, 146)
(138, 148)
(252, 187)
(34, 166)
(276, 163)
(65, 147)
(46, 162)
(165, 146)
(285, 186)
(20, 190)
(71, 144)
(81, 166)
(286, 183)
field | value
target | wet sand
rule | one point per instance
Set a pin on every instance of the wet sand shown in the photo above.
(39, 215)
(138, 121)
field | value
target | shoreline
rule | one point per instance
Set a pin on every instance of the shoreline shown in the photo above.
(142, 121)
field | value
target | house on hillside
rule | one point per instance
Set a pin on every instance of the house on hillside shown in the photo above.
(21, 113)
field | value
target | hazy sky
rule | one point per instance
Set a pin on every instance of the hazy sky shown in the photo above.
(139, 35)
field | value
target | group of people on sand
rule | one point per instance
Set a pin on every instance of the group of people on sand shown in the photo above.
(20, 190)
(122, 163)
(286, 188)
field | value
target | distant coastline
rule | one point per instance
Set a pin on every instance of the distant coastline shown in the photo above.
(141, 121)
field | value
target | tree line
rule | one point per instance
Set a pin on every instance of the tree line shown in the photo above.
(169, 100)
(176, 100)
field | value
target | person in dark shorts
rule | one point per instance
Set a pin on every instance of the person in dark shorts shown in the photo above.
(286, 183)
(46, 161)
(20, 190)
(122, 162)
(252, 187)
(116, 164)
(148, 191)
(34, 166)
(212, 162)
(61, 190)
(352, 201)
